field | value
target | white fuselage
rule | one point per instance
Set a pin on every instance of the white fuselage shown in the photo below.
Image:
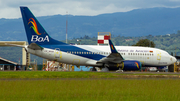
(147, 56)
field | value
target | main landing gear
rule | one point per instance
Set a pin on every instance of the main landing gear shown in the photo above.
(105, 69)
(93, 69)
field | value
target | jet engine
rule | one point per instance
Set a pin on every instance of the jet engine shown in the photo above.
(130, 65)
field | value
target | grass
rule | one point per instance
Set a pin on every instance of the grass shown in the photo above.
(49, 74)
(85, 86)
(90, 90)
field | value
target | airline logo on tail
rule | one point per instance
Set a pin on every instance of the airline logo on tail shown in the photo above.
(112, 47)
(34, 26)
(36, 38)
(137, 65)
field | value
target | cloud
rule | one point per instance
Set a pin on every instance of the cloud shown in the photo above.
(10, 8)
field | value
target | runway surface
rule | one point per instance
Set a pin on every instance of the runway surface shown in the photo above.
(175, 73)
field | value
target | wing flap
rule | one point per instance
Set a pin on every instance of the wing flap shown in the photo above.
(113, 58)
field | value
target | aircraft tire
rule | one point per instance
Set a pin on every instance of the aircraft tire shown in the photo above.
(93, 69)
(105, 69)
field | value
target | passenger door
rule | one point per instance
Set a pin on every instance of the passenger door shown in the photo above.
(57, 53)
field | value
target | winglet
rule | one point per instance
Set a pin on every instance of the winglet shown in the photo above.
(113, 49)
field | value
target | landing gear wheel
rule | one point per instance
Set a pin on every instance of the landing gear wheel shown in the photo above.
(105, 69)
(93, 69)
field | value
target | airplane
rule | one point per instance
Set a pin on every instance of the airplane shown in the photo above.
(105, 57)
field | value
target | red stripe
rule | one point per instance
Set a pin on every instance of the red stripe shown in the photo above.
(101, 41)
(106, 37)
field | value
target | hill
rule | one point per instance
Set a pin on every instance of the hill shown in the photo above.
(139, 22)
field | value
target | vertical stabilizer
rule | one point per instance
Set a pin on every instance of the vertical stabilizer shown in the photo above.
(34, 30)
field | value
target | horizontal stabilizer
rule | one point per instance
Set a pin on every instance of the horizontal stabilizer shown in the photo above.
(35, 46)
(14, 45)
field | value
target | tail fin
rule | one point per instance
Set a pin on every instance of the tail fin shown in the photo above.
(34, 30)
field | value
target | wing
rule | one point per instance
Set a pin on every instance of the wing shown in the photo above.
(114, 57)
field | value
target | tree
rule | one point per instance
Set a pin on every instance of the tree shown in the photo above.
(145, 43)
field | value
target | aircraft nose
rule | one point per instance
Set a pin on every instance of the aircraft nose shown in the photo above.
(173, 59)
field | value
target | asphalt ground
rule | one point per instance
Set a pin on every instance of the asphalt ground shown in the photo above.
(132, 72)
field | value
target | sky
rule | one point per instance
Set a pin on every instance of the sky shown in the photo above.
(10, 8)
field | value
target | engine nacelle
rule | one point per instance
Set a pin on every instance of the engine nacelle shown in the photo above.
(131, 65)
